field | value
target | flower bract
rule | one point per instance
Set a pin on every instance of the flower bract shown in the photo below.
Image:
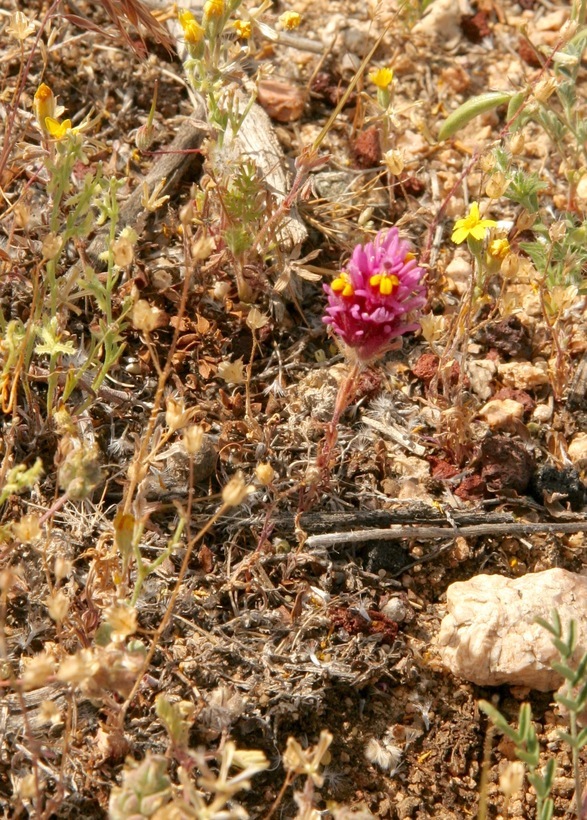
(375, 298)
(471, 226)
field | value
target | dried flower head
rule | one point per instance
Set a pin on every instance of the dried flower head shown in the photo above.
(290, 20)
(243, 29)
(20, 27)
(369, 303)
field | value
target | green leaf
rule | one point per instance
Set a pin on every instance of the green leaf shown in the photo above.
(498, 720)
(471, 109)
(569, 703)
(581, 738)
(547, 809)
(563, 670)
(514, 105)
(525, 720)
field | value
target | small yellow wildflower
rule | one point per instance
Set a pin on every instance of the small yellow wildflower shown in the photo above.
(193, 31)
(44, 105)
(386, 282)
(57, 130)
(290, 20)
(184, 16)
(242, 29)
(213, 8)
(342, 284)
(381, 77)
(471, 226)
(498, 248)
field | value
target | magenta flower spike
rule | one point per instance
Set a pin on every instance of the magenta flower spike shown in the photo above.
(374, 300)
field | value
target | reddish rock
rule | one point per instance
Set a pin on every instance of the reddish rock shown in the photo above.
(506, 464)
(528, 54)
(475, 26)
(510, 337)
(442, 469)
(471, 488)
(520, 396)
(367, 148)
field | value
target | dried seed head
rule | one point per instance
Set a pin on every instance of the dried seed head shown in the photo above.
(123, 252)
(256, 320)
(545, 89)
(512, 778)
(265, 474)
(557, 231)
(231, 372)
(510, 265)
(57, 606)
(27, 529)
(146, 317)
(497, 185)
(176, 416)
(193, 438)
(122, 620)
(37, 671)
(394, 161)
(517, 143)
(235, 492)
(52, 245)
(62, 568)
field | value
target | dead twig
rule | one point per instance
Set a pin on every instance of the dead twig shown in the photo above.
(393, 533)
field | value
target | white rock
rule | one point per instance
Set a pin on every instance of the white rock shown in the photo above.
(502, 412)
(523, 374)
(442, 21)
(543, 413)
(578, 450)
(481, 373)
(489, 635)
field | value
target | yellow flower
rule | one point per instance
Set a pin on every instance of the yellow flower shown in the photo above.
(386, 282)
(213, 8)
(193, 31)
(242, 29)
(381, 77)
(57, 130)
(44, 105)
(471, 226)
(499, 248)
(290, 20)
(342, 285)
(184, 16)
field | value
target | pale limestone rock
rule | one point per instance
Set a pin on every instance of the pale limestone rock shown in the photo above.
(489, 635)
(442, 22)
(578, 450)
(523, 374)
(501, 413)
(481, 373)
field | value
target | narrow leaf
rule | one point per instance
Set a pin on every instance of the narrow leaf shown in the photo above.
(471, 109)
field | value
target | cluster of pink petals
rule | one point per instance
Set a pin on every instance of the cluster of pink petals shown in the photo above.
(373, 300)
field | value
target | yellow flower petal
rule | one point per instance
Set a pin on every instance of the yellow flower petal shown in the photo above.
(381, 77)
(57, 130)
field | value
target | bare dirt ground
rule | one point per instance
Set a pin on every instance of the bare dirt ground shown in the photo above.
(272, 634)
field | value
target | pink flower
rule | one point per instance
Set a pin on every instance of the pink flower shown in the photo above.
(374, 300)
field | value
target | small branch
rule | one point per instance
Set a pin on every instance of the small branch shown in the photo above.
(335, 539)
